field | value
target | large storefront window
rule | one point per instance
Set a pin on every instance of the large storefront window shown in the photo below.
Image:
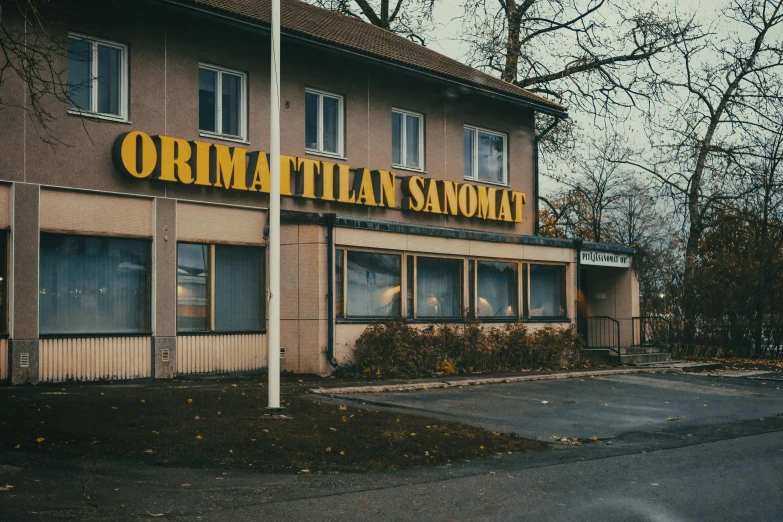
(372, 282)
(547, 291)
(237, 297)
(93, 285)
(497, 289)
(438, 287)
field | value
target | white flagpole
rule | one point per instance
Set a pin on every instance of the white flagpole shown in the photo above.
(274, 218)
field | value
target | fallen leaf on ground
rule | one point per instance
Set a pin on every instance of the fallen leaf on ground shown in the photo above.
(328, 449)
(190, 400)
(343, 408)
(143, 401)
(7, 487)
(305, 471)
(654, 484)
(147, 451)
(593, 438)
(198, 436)
(185, 485)
(342, 453)
(40, 439)
(674, 418)
(155, 514)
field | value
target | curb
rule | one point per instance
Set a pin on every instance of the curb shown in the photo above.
(490, 380)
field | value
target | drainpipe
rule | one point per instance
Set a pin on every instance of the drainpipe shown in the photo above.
(536, 139)
(331, 219)
(580, 323)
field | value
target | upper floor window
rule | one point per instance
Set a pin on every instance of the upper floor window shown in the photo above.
(323, 123)
(407, 139)
(97, 77)
(485, 155)
(221, 102)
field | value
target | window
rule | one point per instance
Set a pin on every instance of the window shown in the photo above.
(438, 287)
(323, 123)
(97, 77)
(547, 291)
(221, 102)
(94, 285)
(497, 289)
(219, 288)
(372, 284)
(3, 281)
(484, 155)
(407, 140)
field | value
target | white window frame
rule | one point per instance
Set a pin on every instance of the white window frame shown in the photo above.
(218, 133)
(403, 152)
(93, 112)
(320, 131)
(474, 168)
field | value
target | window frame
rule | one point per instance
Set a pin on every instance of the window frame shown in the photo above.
(474, 168)
(150, 290)
(403, 145)
(318, 151)
(124, 94)
(211, 282)
(345, 317)
(243, 105)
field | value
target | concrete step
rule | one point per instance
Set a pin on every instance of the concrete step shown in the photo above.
(636, 358)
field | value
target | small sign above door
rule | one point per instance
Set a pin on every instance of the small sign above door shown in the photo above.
(590, 257)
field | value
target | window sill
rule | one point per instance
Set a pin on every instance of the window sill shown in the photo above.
(312, 152)
(93, 335)
(494, 183)
(213, 334)
(546, 320)
(223, 137)
(409, 169)
(98, 116)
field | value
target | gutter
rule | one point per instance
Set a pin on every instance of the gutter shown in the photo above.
(330, 219)
(321, 44)
(539, 137)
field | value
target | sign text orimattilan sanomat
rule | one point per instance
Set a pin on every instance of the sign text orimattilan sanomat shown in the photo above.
(175, 160)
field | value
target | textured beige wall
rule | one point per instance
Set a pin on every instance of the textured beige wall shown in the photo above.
(92, 213)
(220, 224)
(5, 206)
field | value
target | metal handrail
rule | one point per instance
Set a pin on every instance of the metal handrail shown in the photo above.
(640, 330)
(607, 336)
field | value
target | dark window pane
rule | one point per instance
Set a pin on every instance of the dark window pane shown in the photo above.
(207, 106)
(109, 78)
(331, 124)
(192, 287)
(547, 291)
(79, 74)
(490, 157)
(412, 141)
(91, 285)
(396, 138)
(373, 284)
(339, 266)
(231, 103)
(467, 152)
(497, 289)
(311, 121)
(438, 287)
(3, 281)
(238, 288)
(409, 275)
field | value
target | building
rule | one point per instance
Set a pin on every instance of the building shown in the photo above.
(135, 245)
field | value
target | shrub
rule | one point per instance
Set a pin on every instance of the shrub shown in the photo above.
(396, 349)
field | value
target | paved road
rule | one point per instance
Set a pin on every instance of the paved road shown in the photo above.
(719, 462)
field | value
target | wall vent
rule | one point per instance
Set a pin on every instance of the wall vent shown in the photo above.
(282, 352)
(24, 360)
(164, 355)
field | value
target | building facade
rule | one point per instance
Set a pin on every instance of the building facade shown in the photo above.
(135, 225)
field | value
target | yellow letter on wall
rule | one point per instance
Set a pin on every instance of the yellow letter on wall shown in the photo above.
(129, 148)
(174, 156)
(486, 202)
(230, 163)
(519, 199)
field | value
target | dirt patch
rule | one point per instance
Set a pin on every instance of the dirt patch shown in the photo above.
(224, 426)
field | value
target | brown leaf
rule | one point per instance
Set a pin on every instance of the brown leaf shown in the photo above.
(7, 487)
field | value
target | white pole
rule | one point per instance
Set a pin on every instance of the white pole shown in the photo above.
(274, 217)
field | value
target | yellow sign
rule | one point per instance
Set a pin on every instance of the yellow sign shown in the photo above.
(174, 160)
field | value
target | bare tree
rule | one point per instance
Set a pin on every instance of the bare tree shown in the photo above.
(717, 92)
(594, 55)
(30, 54)
(409, 18)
